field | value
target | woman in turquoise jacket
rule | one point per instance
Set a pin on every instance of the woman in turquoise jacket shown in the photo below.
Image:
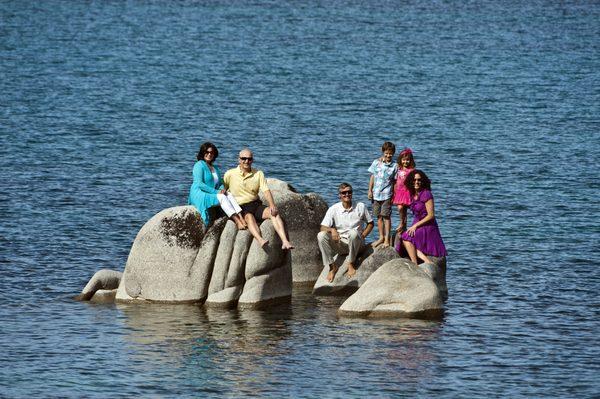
(207, 188)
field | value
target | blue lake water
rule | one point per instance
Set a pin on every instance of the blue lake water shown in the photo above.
(103, 106)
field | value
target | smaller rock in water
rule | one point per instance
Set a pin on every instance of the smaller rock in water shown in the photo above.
(368, 261)
(104, 279)
(399, 288)
(104, 296)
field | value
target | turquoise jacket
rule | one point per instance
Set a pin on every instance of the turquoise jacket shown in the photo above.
(204, 189)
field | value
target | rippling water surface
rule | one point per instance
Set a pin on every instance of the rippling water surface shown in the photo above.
(103, 106)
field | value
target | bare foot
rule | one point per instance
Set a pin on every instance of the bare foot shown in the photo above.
(377, 243)
(332, 271)
(287, 245)
(351, 270)
(384, 245)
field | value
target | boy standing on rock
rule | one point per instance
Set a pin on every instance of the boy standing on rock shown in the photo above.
(381, 190)
(342, 231)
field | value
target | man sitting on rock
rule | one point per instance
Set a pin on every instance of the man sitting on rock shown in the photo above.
(244, 182)
(342, 231)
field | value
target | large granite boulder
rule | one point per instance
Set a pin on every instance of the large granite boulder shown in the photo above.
(175, 258)
(399, 288)
(302, 215)
(160, 266)
(368, 261)
(235, 279)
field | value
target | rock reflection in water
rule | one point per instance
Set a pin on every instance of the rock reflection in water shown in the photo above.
(226, 346)
(255, 352)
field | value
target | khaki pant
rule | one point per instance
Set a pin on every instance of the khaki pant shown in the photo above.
(329, 248)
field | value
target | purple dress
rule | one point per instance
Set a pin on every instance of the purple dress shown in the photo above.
(427, 238)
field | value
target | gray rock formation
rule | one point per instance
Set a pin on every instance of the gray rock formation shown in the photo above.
(263, 290)
(303, 215)
(368, 261)
(104, 279)
(247, 261)
(104, 296)
(437, 272)
(168, 265)
(399, 288)
(174, 258)
(160, 266)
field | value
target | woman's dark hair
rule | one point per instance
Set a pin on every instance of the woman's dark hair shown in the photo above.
(204, 147)
(409, 182)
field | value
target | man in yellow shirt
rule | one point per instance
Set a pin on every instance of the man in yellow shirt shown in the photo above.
(245, 182)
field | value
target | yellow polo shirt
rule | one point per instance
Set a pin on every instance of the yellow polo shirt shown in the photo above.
(245, 187)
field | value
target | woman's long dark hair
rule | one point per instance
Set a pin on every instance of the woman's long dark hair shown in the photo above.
(409, 182)
(204, 147)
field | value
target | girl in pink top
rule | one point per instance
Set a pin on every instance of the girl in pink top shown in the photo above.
(406, 164)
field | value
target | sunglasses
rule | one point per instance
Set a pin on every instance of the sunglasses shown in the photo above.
(249, 159)
(209, 152)
(349, 192)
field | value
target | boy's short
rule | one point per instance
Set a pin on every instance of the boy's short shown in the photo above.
(256, 208)
(382, 208)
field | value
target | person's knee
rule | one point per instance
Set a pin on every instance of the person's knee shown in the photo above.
(353, 235)
(322, 236)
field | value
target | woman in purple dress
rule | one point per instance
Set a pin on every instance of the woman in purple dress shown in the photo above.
(423, 238)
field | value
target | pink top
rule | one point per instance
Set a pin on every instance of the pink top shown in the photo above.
(401, 193)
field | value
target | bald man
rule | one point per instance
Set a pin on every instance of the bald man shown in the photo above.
(245, 182)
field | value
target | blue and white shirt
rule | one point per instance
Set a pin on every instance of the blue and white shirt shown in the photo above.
(384, 178)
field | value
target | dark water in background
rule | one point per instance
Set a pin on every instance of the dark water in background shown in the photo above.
(103, 106)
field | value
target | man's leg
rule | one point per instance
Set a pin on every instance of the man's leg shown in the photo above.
(326, 245)
(279, 228)
(355, 243)
(254, 229)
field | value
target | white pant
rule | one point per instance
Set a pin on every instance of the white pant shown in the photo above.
(329, 248)
(228, 204)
